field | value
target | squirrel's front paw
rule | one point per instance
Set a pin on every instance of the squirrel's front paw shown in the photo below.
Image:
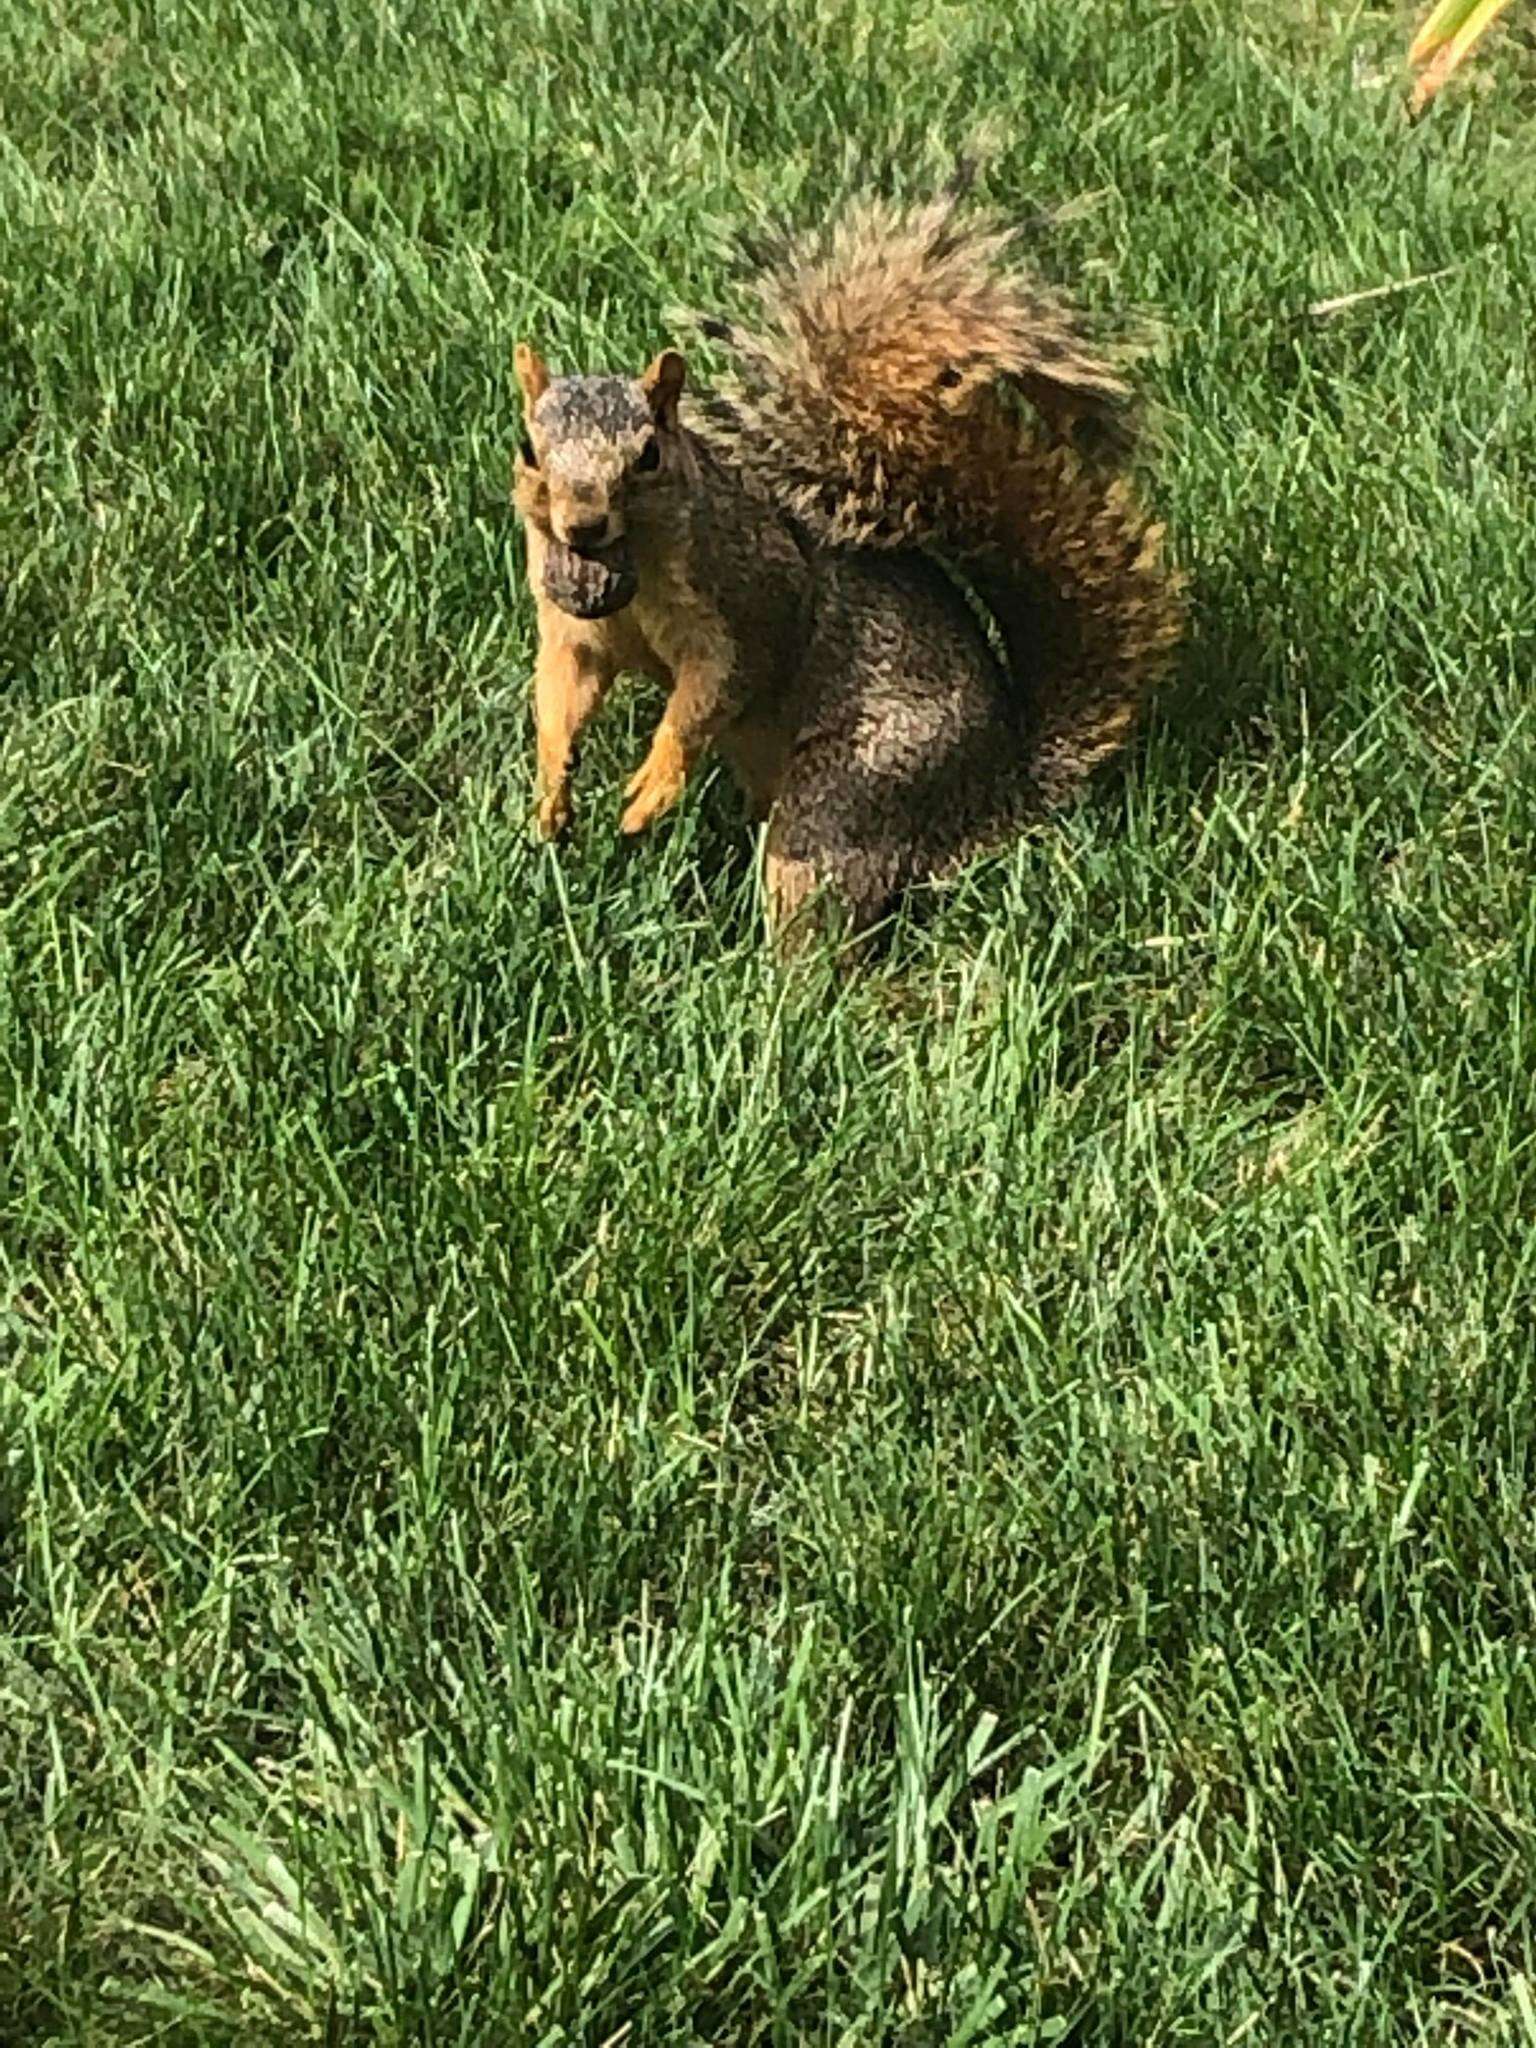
(657, 785)
(554, 812)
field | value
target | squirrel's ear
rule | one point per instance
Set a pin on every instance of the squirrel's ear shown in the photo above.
(663, 383)
(532, 373)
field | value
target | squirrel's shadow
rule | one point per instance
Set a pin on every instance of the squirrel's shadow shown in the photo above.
(1216, 705)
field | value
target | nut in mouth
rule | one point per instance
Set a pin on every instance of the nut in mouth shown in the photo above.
(590, 583)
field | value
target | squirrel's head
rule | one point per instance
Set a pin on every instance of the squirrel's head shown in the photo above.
(597, 454)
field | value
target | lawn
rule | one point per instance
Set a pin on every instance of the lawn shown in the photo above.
(556, 1485)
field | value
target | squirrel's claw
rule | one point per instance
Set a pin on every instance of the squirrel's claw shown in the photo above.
(554, 812)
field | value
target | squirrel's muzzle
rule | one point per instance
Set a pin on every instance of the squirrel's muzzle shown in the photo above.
(591, 583)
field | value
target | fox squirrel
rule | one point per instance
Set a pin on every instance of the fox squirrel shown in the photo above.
(879, 571)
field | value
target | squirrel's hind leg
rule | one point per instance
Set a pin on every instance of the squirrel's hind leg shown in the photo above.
(805, 908)
(817, 888)
(789, 889)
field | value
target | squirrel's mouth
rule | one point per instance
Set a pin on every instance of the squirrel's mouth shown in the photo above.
(589, 583)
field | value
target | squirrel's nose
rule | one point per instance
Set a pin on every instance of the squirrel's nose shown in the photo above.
(586, 533)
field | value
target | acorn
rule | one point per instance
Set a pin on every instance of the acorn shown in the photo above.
(590, 584)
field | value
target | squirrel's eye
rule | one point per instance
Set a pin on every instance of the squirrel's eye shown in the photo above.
(948, 377)
(650, 455)
(530, 460)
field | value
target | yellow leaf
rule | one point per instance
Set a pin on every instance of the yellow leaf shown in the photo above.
(1446, 37)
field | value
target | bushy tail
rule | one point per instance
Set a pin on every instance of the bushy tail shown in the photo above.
(902, 384)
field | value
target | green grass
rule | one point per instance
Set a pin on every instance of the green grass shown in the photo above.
(556, 1487)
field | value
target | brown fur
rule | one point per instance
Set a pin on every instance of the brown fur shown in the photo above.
(905, 398)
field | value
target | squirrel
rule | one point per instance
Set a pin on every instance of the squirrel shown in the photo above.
(893, 572)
